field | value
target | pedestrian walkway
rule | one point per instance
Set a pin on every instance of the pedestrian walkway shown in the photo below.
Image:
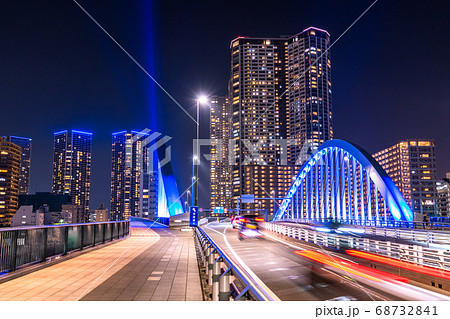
(152, 264)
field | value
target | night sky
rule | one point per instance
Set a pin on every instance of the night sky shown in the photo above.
(58, 70)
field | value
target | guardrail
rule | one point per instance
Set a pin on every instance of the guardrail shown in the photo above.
(227, 281)
(27, 245)
(415, 254)
(430, 225)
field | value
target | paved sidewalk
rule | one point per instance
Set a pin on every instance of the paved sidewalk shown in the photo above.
(155, 264)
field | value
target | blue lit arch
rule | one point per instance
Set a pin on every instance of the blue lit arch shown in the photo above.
(344, 166)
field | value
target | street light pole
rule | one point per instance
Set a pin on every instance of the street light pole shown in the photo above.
(196, 157)
(193, 180)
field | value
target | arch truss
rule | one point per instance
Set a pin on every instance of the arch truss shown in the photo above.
(342, 181)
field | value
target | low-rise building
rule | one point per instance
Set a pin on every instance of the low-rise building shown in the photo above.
(27, 216)
(73, 214)
(101, 214)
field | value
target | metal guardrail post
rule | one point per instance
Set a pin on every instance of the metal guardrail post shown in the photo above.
(104, 232)
(82, 237)
(93, 235)
(66, 240)
(112, 231)
(210, 267)
(224, 286)
(205, 259)
(12, 261)
(44, 245)
(215, 279)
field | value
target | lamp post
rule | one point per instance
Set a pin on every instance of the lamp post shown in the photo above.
(194, 159)
(201, 99)
(188, 193)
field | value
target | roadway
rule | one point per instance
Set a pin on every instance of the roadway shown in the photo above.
(274, 266)
(286, 274)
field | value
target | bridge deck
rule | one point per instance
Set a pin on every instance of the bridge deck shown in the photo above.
(153, 264)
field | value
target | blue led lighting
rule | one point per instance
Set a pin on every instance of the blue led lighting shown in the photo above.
(81, 132)
(22, 138)
(121, 132)
(169, 202)
(332, 156)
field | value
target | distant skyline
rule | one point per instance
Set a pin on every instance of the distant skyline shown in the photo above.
(60, 71)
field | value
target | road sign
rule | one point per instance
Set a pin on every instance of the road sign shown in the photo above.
(218, 210)
(248, 198)
(193, 216)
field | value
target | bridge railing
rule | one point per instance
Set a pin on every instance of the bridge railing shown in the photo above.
(431, 225)
(227, 280)
(415, 254)
(26, 245)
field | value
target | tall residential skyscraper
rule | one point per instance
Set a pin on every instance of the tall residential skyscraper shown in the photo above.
(280, 96)
(25, 162)
(9, 180)
(133, 181)
(72, 166)
(220, 133)
(411, 164)
(309, 74)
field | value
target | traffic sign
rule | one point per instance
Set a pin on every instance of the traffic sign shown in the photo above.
(193, 216)
(218, 210)
(248, 198)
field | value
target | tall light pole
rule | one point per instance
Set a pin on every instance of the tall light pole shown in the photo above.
(201, 99)
(188, 193)
(194, 159)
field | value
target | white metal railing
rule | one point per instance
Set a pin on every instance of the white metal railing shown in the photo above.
(415, 254)
(429, 236)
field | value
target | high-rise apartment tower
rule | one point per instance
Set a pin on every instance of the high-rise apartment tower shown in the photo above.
(25, 162)
(72, 166)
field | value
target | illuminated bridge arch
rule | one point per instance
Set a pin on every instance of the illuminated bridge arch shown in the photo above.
(342, 181)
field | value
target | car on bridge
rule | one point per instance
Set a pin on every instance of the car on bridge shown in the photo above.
(248, 226)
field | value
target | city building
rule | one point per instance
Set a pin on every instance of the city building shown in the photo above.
(101, 214)
(25, 162)
(74, 214)
(220, 129)
(9, 180)
(443, 196)
(72, 166)
(411, 164)
(134, 190)
(309, 96)
(265, 181)
(27, 216)
(280, 102)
